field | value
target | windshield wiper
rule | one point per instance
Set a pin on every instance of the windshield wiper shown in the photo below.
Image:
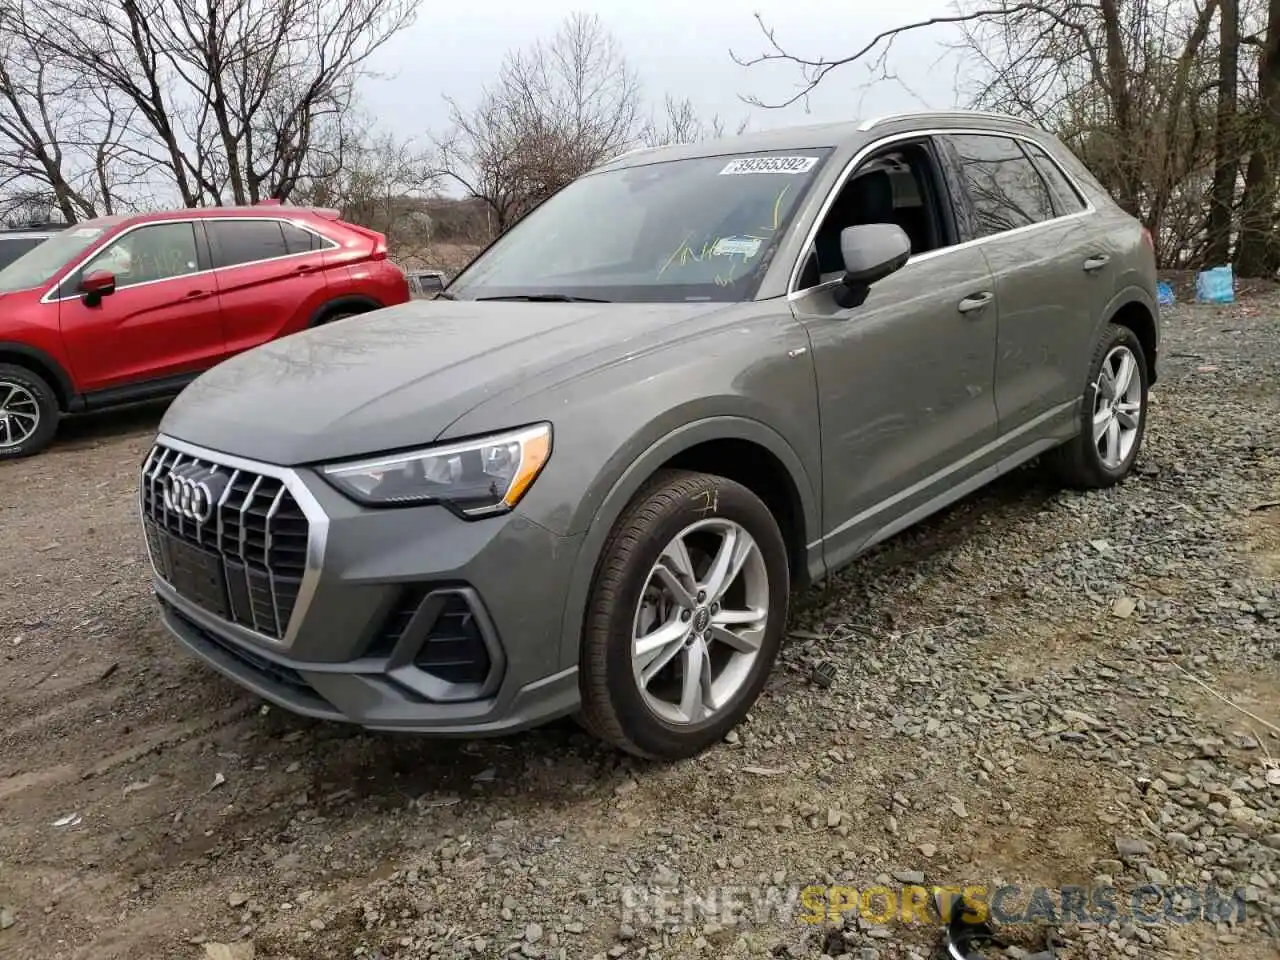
(547, 298)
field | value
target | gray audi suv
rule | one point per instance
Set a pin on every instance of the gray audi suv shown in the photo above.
(587, 477)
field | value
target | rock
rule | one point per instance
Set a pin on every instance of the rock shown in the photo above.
(1131, 848)
(7, 917)
(237, 900)
(912, 878)
(533, 933)
(1124, 607)
(979, 700)
(241, 950)
(833, 817)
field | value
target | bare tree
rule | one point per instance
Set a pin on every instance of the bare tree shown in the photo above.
(679, 122)
(228, 96)
(1226, 158)
(381, 182)
(62, 146)
(1259, 246)
(1130, 85)
(555, 111)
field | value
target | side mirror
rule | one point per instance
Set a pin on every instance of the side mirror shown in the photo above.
(97, 284)
(871, 252)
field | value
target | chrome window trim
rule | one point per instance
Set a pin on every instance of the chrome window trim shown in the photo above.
(793, 293)
(317, 531)
(329, 245)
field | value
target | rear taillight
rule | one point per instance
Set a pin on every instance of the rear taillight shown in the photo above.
(380, 247)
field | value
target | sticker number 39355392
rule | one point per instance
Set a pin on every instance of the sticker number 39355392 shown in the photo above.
(769, 165)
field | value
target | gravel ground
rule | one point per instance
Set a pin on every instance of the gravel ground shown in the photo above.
(1031, 688)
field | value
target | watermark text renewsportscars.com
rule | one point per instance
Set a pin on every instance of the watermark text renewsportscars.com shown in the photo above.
(756, 905)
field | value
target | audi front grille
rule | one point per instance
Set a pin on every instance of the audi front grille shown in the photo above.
(242, 555)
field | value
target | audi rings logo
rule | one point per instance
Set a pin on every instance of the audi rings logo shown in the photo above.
(192, 491)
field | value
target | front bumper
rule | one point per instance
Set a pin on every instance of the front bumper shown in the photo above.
(399, 619)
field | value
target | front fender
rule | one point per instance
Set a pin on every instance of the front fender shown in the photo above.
(614, 490)
(743, 374)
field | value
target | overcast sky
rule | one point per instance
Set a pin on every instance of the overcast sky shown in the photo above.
(677, 47)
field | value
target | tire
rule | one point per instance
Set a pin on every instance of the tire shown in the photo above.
(24, 394)
(334, 317)
(1083, 462)
(700, 511)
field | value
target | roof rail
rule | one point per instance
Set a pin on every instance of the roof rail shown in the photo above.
(942, 114)
(625, 153)
(33, 226)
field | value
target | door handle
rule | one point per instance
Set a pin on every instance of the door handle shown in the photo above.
(307, 268)
(195, 295)
(1096, 263)
(976, 302)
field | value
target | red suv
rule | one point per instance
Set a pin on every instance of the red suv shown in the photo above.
(128, 308)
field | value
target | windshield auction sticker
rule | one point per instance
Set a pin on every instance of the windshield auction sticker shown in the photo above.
(769, 165)
(732, 246)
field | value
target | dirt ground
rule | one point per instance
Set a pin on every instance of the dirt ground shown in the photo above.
(148, 808)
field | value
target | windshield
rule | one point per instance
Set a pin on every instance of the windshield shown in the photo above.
(38, 265)
(697, 229)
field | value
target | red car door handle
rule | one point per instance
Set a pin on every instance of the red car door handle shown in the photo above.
(195, 295)
(307, 268)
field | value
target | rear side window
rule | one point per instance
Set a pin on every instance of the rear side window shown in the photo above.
(11, 248)
(1004, 187)
(246, 241)
(1065, 197)
(297, 240)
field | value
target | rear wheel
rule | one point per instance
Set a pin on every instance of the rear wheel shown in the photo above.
(686, 616)
(28, 412)
(1113, 416)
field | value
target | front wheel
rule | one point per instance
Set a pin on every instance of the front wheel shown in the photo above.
(685, 618)
(28, 412)
(1113, 417)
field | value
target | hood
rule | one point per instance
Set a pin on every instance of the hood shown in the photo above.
(399, 377)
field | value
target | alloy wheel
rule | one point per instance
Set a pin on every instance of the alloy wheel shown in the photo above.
(700, 622)
(19, 414)
(1117, 407)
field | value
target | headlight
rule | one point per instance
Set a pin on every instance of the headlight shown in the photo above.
(473, 477)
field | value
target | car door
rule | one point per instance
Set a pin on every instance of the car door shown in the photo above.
(271, 277)
(904, 380)
(1053, 270)
(161, 321)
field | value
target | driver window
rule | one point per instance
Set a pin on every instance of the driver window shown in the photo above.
(896, 186)
(156, 252)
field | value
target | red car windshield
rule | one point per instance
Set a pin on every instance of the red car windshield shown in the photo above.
(38, 265)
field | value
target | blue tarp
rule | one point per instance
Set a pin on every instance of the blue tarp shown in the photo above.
(1216, 285)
